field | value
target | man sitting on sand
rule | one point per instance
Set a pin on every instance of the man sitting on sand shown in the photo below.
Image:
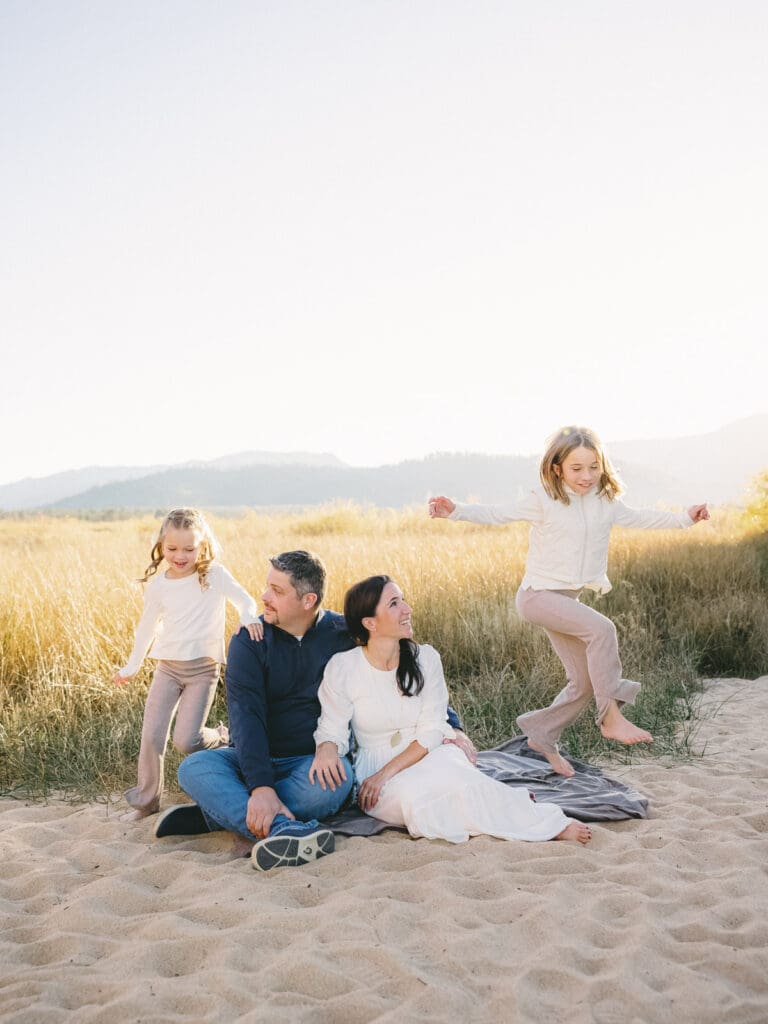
(259, 788)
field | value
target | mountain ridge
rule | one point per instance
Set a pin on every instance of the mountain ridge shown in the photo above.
(714, 467)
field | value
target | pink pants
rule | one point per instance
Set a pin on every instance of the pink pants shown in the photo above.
(189, 686)
(585, 642)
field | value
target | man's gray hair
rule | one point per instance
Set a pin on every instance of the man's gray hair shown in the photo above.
(306, 572)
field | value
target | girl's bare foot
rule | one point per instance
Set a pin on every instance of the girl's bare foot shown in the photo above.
(136, 815)
(557, 762)
(577, 832)
(617, 727)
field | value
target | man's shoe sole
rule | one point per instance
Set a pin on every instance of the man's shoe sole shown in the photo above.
(291, 851)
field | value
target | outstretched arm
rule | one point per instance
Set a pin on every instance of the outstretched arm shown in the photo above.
(656, 518)
(529, 510)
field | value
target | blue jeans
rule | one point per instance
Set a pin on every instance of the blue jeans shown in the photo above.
(214, 781)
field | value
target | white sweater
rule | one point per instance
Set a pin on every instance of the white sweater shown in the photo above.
(383, 720)
(181, 621)
(568, 547)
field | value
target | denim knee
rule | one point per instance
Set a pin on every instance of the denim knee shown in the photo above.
(191, 768)
(323, 803)
(308, 800)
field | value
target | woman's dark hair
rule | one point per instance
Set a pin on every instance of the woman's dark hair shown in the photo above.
(360, 602)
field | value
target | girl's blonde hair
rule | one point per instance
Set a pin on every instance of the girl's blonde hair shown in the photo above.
(186, 519)
(559, 447)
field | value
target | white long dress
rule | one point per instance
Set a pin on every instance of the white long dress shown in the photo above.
(442, 796)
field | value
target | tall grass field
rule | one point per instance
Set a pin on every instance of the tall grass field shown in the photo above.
(688, 605)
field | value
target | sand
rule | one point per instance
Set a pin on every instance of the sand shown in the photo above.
(658, 920)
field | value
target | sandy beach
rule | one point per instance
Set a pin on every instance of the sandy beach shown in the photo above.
(658, 920)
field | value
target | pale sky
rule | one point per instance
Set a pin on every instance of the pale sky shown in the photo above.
(378, 229)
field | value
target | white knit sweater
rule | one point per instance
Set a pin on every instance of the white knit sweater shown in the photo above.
(568, 547)
(182, 622)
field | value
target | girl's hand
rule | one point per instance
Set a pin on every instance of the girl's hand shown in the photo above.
(370, 791)
(440, 508)
(698, 513)
(120, 680)
(255, 630)
(327, 767)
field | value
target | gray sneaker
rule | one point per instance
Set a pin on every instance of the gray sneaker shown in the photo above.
(291, 843)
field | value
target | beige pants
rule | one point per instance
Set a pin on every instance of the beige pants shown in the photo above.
(189, 686)
(585, 641)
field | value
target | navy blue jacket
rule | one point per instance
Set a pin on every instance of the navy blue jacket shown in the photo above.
(272, 689)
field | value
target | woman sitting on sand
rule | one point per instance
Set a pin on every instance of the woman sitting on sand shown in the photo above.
(393, 694)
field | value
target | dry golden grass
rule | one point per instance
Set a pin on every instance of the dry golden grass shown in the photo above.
(686, 604)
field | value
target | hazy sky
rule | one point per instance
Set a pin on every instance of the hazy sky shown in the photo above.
(376, 228)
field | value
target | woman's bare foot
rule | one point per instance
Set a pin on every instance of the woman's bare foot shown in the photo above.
(577, 832)
(136, 815)
(557, 762)
(616, 727)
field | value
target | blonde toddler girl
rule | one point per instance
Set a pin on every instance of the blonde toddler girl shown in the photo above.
(182, 627)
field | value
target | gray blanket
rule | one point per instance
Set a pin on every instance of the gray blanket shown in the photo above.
(588, 796)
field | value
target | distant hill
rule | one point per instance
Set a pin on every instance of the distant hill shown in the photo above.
(34, 492)
(483, 477)
(713, 467)
(37, 492)
(301, 485)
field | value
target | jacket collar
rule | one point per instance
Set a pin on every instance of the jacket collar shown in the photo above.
(315, 623)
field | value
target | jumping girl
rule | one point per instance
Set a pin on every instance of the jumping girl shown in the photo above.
(571, 516)
(182, 626)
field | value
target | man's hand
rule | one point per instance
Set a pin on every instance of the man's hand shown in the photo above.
(263, 805)
(327, 767)
(463, 742)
